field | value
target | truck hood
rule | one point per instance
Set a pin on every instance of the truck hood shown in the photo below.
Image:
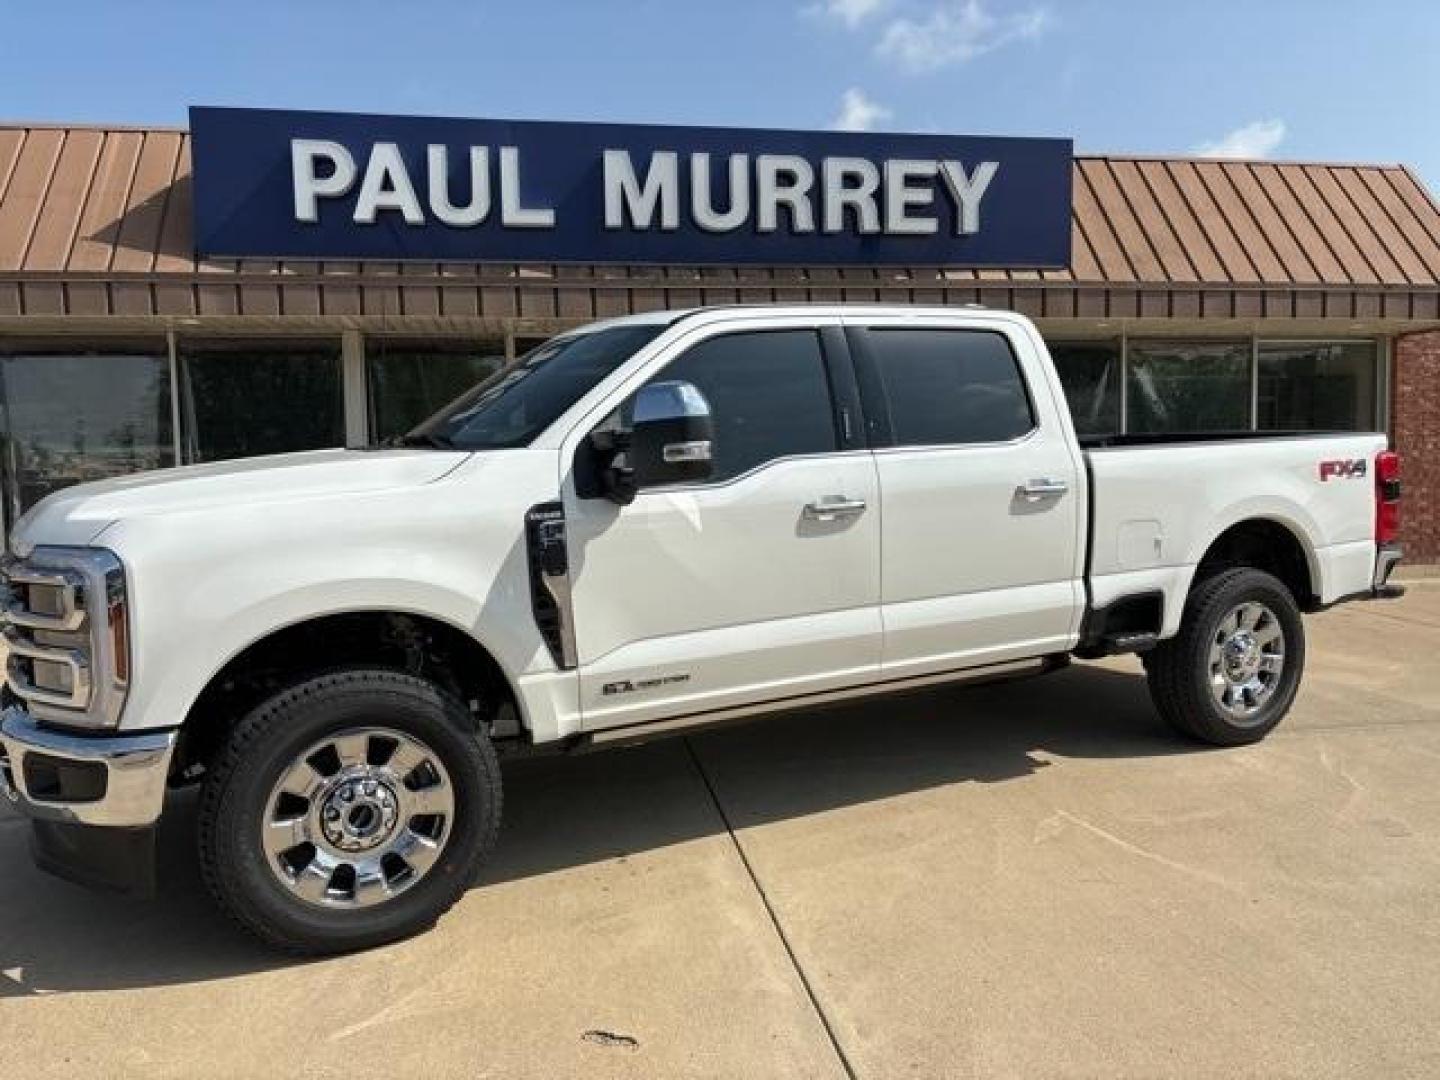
(77, 515)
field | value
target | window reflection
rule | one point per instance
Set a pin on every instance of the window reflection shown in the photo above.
(1090, 374)
(74, 418)
(1317, 386)
(410, 381)
(242, 399)
(1188, 387)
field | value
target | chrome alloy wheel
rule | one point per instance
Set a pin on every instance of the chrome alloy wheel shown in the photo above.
(358, 818)
(1247, 659)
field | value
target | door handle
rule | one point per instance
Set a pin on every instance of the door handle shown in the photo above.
(833, 507)
(1035, 490)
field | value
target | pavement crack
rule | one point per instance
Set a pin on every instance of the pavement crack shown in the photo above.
(611, 1038)
(820, 1013)
(1145, 853)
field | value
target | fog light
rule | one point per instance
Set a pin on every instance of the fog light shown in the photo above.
(60, 780)
(52, 676)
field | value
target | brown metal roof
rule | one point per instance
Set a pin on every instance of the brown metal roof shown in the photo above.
(97, 221)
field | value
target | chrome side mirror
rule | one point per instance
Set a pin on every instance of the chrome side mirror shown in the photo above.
(672, 435)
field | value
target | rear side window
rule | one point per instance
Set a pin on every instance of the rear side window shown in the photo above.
(950, 386)
(768, 393)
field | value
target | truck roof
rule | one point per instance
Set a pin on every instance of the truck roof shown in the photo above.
(669, 316)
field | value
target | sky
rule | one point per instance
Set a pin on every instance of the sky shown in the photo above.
(1328, 80)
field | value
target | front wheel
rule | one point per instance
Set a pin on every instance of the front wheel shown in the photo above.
(1232, 672)
(348, 811)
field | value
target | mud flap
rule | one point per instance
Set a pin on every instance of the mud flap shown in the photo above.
(119, 860)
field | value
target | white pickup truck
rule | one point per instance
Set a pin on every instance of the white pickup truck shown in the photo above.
(645, 525)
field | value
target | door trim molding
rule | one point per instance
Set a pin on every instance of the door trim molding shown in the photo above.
(688, 722)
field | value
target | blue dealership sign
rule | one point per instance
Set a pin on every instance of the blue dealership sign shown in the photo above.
(283, 184)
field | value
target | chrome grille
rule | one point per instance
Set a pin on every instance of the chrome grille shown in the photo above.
(61, 656)
(60, 607)
(44, 599)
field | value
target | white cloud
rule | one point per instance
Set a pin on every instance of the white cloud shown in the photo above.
(859, 113)
(849, 12)
(1255, 140)
(954, 32)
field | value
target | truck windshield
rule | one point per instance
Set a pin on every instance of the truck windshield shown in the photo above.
(518, 402)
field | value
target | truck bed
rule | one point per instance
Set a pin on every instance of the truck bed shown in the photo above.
(1157, 502)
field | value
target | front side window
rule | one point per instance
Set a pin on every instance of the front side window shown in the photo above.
(769, 396)
(519, 402)
(948, 387)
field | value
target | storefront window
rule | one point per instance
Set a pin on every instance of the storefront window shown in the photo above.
(242, 399)
(1188, 387)
(412, 380)
(1090, 373)
(74, 417)
(1318, 386)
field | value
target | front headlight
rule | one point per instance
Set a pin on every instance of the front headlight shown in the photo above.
(67, 634)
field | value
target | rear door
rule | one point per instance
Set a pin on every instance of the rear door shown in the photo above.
(981, 489)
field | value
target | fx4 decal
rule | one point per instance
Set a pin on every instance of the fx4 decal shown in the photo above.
(1353, 469)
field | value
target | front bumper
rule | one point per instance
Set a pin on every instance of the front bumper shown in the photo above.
(93, 800)
(113, 781)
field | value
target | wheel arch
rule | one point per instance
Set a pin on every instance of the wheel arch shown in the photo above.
(417, 643)
(1272, 543)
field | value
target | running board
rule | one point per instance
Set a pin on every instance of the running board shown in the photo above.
(654, 729)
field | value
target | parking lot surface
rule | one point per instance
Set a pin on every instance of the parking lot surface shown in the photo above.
(1025, 880)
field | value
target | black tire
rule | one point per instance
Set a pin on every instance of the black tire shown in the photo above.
(1179, 669)
(267, 742)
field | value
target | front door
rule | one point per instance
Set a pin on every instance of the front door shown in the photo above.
(744, 588)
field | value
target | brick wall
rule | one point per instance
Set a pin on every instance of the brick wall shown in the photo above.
(1415, 425)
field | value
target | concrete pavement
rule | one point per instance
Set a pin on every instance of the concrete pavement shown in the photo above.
(1031, 879)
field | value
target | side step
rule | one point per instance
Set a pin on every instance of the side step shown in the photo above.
(652, 729)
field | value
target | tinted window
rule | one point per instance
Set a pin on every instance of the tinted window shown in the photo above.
(1184, 387)
(768, 394)
(1090, 374)
(409, 380)
(951, 386)
(243, 399)
(74, 418)
(1317, 387)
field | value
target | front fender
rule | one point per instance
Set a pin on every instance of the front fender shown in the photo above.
(206, 585)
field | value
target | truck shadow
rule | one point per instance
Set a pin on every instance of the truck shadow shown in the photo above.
(568, 811)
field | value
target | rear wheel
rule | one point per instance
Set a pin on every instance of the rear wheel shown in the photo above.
(1232, 672)
(348, 811)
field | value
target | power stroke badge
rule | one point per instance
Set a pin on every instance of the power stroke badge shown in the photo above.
(631, 686)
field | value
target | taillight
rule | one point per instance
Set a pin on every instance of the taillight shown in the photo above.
(1387, 497)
